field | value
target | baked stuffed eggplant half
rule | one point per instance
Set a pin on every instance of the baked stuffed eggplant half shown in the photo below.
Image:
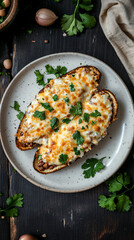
(77, 135)
(53, 103)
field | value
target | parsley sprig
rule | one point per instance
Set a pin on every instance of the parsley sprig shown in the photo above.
(72, 25)
(76, 110)
(92, 166)
(16, 107)
(12, 203)
(58, 71)
(120, 202)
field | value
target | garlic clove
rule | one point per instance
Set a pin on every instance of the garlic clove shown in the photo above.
(45, 17)
(7, 63)
(2, 12)
(7, 3)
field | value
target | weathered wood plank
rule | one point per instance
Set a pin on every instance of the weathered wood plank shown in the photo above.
(4, 165)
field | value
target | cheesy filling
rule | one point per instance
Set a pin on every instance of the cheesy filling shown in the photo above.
(62, 142)
(39, 131)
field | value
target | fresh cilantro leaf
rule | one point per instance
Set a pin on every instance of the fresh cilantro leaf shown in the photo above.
(77, 136)
(30, 31)
(77, 152)
(86, 117)
(93, 122)
(76, 110)
(117, 182)
(87, 20)
(66, 120)
(16, 106)
(38, 114)
(56, 129)
(92, 166)
(20, 115)
(80, 121)
(39, 157)
(96, 113)
(39, 77)
(63, 158)
(55, 97)
(107, 203)
(12, 203)
(54, 122)
(58, 71)
(71, 25)
(66, 99)
(47, 106)
(71, 87)
(124, 203)
(87, 7)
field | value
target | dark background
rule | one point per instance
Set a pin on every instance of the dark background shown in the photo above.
(60, 216)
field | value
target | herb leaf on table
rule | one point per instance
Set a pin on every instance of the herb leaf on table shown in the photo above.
(117, 199)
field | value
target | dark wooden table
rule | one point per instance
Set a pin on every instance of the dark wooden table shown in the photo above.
(60, 216)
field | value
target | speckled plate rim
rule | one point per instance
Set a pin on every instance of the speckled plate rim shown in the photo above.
(10, 160)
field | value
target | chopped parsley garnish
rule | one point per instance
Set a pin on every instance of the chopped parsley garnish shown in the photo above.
(81, 149)
(20, 115)
(117, 199)
(77, 136)
(71, 87)
(55, 97)
(73, 75)
(47, 106)
(54, 122)
(76, 110)
(86, 126)
(77, 152)
(86, 117)
(83, 128)
(92, 166)
(56, 129)
(12, 203)
(93, 122)
(66, 99)
(29, 31)
(39, 157)
(80, 121)
(39, 78)
(66, 120)
(95, 113)
(63, 158)
(58, 71)
(38, 114)
(17, 108)
(2, 19)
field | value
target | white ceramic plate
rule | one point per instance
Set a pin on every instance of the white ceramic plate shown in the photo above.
(115, 146)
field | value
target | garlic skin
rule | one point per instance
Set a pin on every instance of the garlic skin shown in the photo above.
(45, 17)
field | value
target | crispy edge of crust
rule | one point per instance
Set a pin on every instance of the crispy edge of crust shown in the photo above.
(31, 145)
(115, 110)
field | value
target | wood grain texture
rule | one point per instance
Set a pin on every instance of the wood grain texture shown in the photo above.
(60, 216)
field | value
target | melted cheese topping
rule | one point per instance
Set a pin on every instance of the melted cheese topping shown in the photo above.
(39, 131)
(62, 142)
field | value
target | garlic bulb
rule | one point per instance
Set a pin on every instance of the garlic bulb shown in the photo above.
(45, 17)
